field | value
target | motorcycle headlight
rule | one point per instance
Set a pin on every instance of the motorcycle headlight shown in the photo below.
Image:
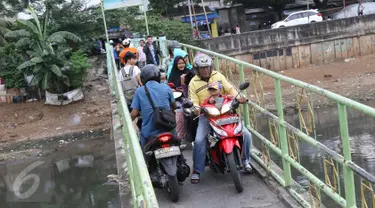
(226, 107)
(212, 111)
(219, 131)
(238, 129)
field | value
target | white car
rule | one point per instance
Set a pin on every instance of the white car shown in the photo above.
(299, 18)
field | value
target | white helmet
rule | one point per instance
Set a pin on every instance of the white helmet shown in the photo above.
(202, 60)
(126, 41)
(111, 41)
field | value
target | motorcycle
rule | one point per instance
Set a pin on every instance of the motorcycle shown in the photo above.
(166, 163)
(225, 140)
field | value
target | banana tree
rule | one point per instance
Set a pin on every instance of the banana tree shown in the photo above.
(46, 52)
(4, 28)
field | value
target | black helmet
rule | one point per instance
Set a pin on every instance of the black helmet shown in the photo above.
(150, 72)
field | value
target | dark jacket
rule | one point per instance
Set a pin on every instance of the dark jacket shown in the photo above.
(147, 51)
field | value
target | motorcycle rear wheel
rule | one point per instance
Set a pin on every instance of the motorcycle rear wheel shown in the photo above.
(236, 176)
(173, 188)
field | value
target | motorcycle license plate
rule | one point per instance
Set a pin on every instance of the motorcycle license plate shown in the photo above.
(167, 152)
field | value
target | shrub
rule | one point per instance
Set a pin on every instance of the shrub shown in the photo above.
(78, 69)
(9, 61)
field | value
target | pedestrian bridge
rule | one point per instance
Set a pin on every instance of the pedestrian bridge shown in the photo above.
(333, 181)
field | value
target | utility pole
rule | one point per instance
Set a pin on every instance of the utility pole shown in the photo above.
(191, 19)
(195, 19)
(205, 13)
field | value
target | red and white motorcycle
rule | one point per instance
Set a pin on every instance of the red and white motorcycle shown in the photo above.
(225, 140)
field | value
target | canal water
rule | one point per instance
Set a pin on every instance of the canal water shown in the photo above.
(75, 174)
(67, 175)
(362, 142)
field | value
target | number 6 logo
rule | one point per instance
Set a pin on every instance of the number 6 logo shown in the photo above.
(22, 177)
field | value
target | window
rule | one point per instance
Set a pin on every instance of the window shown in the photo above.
(306, 14)
(294, 17)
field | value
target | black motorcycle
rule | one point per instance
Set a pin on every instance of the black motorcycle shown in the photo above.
(166, 163)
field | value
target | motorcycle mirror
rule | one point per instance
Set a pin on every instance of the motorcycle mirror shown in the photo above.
(187, 110)
(204, 111)
(177, 95)
(244, 86)
(187, 104)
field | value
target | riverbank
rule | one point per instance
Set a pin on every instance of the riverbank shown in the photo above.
(351, 78)
(26, 122)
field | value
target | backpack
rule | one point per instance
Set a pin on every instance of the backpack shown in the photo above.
(164, 119)
(129, 84)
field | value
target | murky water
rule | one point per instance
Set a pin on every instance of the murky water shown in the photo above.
(362, 142)
(70, 175)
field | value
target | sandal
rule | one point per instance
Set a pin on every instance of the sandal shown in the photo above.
(195, 179)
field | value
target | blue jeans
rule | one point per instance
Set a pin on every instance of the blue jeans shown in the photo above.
(200, 145)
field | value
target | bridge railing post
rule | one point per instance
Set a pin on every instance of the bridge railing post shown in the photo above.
(283, 135)
(245, 107)
(217, 65)
(348, 173)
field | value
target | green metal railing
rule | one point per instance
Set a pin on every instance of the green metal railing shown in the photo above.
(285, 137)
(143, 194)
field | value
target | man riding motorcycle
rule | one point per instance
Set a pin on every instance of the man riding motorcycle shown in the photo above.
(198, 93)
(160, 93)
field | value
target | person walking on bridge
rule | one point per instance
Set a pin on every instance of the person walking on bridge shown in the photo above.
(142, 55)
(152, 52)
(127, 48)
(198, 93)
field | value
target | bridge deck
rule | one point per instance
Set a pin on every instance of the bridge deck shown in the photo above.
(217, 190)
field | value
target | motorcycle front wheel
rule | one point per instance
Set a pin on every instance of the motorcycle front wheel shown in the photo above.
(173, 188)
(236, 176)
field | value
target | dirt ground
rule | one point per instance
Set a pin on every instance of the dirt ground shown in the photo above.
(352, 78)
(28, 121)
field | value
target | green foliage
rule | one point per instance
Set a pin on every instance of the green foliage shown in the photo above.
(9, 61)
(172, 29)
(47, 53)
(163, 7)
(87, 23)
(10, 8)
(78, 70)
(4, 28)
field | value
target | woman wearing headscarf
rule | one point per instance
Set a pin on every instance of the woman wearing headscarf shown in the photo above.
(179, 52)
(178, 72)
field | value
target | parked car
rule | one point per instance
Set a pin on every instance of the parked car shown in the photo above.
(299, 18)
(352, 10)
